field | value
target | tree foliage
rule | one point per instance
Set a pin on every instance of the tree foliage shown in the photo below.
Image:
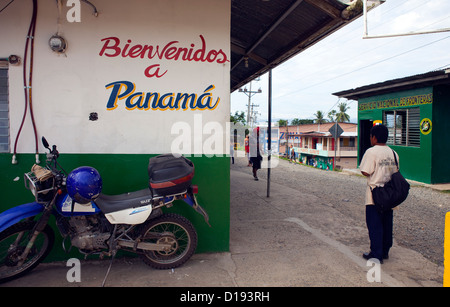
(238, 118)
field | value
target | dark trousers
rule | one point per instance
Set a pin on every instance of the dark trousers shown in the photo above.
(380, 231)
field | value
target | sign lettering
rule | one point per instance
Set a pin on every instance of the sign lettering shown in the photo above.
(126, 91)
(172, 51)
(394, 103)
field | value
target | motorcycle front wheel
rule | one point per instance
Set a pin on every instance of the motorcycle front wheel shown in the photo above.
(13, 242)
(174, 230)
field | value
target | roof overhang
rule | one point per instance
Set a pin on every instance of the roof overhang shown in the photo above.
(418, 81)
(265, 33)
(315, 134)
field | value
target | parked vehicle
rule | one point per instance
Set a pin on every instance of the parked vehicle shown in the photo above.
(101, 224)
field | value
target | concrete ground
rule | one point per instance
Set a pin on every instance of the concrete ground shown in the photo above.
(275, 242)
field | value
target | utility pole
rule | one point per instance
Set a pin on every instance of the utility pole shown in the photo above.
(253, 114)
(250, 93)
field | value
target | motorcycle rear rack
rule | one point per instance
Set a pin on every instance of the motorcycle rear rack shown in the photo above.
(166, 201)
(32, 183)
(163, 201)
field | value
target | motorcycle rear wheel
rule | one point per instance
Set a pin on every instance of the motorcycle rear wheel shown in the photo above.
(171, 229)
(9, 251)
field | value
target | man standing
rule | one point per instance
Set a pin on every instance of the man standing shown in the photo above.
(378, 165)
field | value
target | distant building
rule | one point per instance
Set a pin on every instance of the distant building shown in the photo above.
(314, 144)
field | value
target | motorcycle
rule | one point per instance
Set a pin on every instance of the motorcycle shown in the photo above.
(97, 223)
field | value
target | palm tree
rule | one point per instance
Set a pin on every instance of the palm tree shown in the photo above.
(341, 116)
(319, 118)
(238, 118)
(283, 122)
(332, 116)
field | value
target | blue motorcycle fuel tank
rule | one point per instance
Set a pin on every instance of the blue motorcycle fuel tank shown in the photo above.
(64, 207)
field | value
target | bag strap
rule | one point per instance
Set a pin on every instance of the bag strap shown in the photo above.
(395, 158)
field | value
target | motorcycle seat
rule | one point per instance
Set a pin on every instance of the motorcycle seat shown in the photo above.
(114, 203)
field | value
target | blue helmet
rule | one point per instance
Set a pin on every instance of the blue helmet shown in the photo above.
(84, 184)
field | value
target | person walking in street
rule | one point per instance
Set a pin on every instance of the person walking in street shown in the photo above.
(232, 148)
(255, 153)
(292, 157)
(247, 149)
(378, 165)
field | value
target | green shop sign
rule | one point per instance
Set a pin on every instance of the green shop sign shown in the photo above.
(397, 102)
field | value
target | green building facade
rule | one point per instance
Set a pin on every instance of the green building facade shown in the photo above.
(416, 111)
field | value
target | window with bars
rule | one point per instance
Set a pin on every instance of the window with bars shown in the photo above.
(4, 108)
(403, 126)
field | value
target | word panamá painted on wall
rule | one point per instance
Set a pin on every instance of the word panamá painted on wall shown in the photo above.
(399, 102)
(126, 90)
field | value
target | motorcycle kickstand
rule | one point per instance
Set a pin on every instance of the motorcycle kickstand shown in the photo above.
(113, 251)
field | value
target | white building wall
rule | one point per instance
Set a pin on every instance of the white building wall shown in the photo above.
(68, 87)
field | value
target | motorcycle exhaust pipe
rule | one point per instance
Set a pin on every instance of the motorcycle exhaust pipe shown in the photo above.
(145, 246)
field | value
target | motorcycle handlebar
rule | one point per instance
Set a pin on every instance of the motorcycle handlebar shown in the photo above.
(52, 156)
(45, 143)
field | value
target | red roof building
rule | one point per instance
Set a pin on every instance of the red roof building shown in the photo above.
(314, 144)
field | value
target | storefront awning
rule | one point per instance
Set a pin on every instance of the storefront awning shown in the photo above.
(265, 33)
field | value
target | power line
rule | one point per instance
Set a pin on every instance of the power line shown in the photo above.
(340, 35)
(323, 50)
(364, 67)
(6, 6)
(388, 42)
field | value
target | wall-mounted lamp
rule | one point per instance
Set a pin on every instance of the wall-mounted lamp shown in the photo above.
(14, 59)
(57, 44)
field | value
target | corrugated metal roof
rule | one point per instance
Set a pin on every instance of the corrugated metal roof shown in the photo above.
(265, 33)
(396, 85)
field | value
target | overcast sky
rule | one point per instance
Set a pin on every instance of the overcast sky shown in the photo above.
(304, 84)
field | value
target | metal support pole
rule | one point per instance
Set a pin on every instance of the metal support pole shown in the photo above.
(366, 30)
(366, 27)
(269, 132)
(249, 116)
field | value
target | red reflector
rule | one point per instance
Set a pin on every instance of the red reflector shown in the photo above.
(195, 189)
(168, 184)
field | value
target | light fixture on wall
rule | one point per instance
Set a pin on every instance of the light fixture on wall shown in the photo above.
(14, 59)
(57, 43)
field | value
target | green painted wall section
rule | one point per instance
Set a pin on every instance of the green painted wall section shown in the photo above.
(125, 173)
(440, 171)
(415, 163)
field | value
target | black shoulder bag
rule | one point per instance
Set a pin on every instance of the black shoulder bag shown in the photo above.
(393, 193)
